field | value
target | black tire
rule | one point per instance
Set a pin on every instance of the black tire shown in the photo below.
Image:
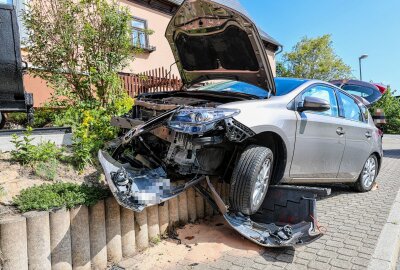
(361, 185)
(244, 179)
(2, 120)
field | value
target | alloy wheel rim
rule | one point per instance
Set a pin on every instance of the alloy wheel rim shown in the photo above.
(369, 172)
(261, 184)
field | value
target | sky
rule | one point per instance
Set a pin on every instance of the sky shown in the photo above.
(357, 27)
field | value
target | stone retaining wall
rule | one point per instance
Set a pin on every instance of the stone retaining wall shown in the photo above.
(92, 237)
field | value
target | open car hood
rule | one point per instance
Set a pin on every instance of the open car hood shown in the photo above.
(211, 40)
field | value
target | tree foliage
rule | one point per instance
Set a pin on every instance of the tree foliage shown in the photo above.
(391, 106)
(79, 46)
(313, 58)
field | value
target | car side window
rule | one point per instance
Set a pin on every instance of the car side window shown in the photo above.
(351, 110)
(325, 93)
(365, 113)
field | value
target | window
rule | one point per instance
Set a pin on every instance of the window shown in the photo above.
(325, 93)
(350, 108)
(139, 33)
(8, 2)
(365, 113)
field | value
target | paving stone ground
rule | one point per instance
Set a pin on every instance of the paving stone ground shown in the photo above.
(353, 222)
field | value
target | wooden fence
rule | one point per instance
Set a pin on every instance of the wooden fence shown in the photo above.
(156, 80)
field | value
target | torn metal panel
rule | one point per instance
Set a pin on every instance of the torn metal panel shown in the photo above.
(286, 218)
(124, 122)
(149, 125)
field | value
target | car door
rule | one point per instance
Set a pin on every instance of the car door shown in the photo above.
(320, 141)
(358, 136)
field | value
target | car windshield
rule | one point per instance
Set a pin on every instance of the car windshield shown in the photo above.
(283, 87)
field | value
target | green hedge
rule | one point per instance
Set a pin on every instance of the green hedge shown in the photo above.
(58, 195)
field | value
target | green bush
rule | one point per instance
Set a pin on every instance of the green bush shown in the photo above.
(42, 117)
(91, 126)
(391, 106)
(58, 195)
(27, 153)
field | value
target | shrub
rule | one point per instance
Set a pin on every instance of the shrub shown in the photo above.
(91, 126)
(58, 195)
(43, 117)
(391, 106)
(27, 153)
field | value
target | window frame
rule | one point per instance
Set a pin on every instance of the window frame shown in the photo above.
(341, 107)
(298, 99)
(144, 21)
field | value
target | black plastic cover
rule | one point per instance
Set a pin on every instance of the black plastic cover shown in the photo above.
(12, 95)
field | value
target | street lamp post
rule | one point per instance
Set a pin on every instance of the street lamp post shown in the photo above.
(359, 60)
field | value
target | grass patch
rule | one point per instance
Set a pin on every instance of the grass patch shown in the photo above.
(2, 192)
(46, 170)
(58, 195)
(155, 240)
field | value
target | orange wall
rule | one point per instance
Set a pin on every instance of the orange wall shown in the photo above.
(41, 92)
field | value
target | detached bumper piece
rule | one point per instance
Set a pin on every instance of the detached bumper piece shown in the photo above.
(137, 189)
(286, 218)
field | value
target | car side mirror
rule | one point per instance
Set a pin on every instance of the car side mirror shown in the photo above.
(313, 104)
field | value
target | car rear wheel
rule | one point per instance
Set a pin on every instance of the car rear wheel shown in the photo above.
(2, 120)
(368, 175)
(250, 179)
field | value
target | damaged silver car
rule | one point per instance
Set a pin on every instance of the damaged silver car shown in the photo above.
(244, 131)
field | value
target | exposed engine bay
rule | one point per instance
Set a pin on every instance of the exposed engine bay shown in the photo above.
(189, 141)
(178, 142)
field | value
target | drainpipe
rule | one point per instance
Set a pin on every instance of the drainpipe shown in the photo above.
(280, 50)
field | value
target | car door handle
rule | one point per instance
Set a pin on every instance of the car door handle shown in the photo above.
(368, 134)
(340, 131)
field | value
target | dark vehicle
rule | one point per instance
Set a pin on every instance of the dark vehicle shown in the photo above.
(368, 94)
(13, 97)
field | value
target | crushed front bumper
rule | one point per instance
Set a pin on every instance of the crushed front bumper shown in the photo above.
(287, 216)
(138, 189)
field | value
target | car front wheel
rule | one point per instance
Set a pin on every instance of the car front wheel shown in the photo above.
(368, 175)
(250, 179)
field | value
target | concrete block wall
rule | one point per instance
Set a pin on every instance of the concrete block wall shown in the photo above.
(92, 237)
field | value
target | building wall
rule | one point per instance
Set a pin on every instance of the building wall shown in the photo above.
(162, 56)
(272, 61)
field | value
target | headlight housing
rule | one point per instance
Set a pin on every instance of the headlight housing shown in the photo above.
(199, 120)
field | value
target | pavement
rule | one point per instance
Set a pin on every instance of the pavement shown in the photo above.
(352, 222)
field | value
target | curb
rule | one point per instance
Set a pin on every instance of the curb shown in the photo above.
(85, 237)
(387, 249)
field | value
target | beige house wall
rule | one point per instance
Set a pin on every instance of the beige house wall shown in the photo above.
(162, 56)
(272, 62)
